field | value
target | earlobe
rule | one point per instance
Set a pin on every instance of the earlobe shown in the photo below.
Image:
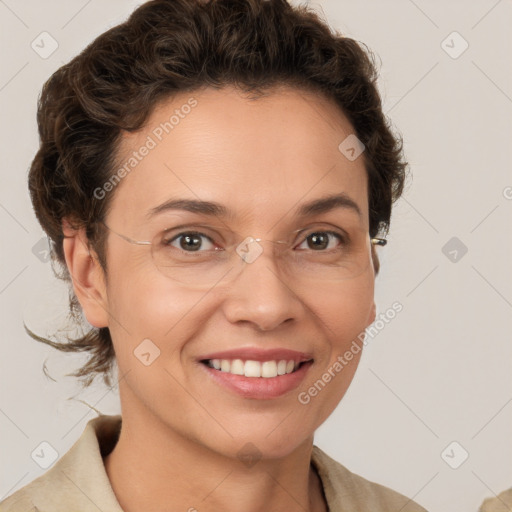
(87, 276)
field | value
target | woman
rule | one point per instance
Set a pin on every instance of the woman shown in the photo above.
(216, 177)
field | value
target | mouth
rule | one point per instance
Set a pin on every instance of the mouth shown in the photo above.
(257, 374)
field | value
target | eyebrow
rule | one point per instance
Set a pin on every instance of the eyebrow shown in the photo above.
(214, 209)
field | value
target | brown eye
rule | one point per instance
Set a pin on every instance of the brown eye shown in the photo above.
(322, 240)
(190, 241)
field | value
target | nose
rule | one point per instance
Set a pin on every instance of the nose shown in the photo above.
(260, 294)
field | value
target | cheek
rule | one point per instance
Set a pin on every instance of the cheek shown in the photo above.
(344, 311)
(343, 317)
(143, 305)
(154, 320)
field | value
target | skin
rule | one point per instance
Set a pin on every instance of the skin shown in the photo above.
(181, 431)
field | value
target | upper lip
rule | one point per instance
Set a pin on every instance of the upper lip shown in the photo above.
(258, 354)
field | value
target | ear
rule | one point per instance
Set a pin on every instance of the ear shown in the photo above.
(87, 275)
(375, 260)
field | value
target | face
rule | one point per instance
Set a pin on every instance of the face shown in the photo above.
(262, 160)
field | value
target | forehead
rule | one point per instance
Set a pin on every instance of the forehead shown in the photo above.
(259, 157)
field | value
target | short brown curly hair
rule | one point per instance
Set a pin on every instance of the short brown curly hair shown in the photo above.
(171, 46)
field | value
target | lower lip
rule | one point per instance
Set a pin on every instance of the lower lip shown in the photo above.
(259, 388)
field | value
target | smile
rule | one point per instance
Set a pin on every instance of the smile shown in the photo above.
(256, 373)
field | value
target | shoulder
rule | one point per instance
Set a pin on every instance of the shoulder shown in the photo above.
(78, 480)
(501, 503)
(346, 491)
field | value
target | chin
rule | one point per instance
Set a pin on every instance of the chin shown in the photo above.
(272, 438)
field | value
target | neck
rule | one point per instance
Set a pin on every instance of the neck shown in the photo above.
(152, 467)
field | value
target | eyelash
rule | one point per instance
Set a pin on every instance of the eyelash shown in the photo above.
(342, 238)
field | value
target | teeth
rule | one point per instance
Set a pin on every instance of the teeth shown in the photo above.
(237, 367)
(281, 367)
(266, 369)
(252, 369)
(269, 369)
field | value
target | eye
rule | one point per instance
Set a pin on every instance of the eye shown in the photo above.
(321, 240)
(190, 241)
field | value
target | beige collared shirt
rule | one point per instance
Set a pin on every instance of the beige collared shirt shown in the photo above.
(78, 481)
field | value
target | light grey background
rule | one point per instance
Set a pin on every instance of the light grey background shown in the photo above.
(440, 371)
